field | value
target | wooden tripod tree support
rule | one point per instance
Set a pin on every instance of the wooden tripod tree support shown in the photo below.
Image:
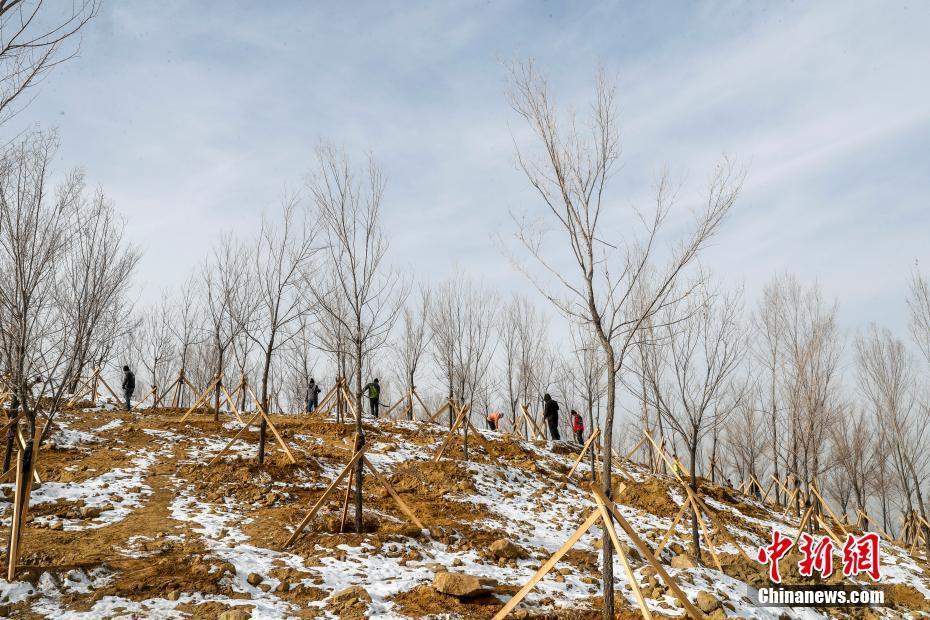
(21, 444)
(336, 395)
(530, 424)
(202, 397)
(20, 510)
(230, 399)
(152, 393)
(604, 515)
(443, 407)
(698, 506)
(461, 421)
(584, 450)
(176, 386)
(89, 387)
(823, 502)
(864, 516)
(629, 455)
(260, 413)
(348, 470)
(408, 397)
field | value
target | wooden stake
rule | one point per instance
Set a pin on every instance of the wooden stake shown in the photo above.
(545, 568)
(671, 530)
(390, 489)
(608, 525)
(644, 550)
(358, 455)
(584, 450)
(200, 399)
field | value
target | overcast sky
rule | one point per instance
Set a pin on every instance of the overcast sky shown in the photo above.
(194, 117)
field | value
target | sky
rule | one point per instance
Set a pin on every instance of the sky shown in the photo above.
(194, 117)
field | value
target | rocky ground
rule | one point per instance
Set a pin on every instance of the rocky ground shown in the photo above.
(131, 521)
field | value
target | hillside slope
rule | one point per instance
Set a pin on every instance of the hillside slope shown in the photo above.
(132, 522)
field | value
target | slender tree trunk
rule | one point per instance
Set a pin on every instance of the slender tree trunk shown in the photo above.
(359, 467)
(695, 531)
(607, 550)
(410, 415)
(216, 390)
(263, 428)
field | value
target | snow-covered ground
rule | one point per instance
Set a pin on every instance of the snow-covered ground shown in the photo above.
(538, 510)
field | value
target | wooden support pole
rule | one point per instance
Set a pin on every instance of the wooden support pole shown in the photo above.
(671, 530)
(273, 428)
(547, 566)
(607, 524)
(390, 489)
(316, 507)
(584, 450)
(200, 399)
(644, 550)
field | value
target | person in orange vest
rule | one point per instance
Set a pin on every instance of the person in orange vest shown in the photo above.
(577, 426)
(494, 419)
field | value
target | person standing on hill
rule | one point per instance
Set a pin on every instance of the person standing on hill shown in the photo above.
(578, 427)
(129, 385)
(313, 395)
(494, 419)
(373, 390)
(551, 416)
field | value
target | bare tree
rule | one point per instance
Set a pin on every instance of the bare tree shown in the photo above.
(364, 296)
(886, 378)
(219, 279)
(919, 304)
(609, 291)
(413, 343)
(35, 37)
(95, 280)
(812, 352)
(157, 344)
(854, 452)
(768, 353)
(270, 301)
(522, 328)
(694, 384)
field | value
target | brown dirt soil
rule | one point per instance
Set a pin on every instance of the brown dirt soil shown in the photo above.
(153, 555)
(651, 496)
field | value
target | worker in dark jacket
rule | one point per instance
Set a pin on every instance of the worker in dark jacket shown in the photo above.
(551, 416)
(373, 391)
(129, 385)
(313, 395)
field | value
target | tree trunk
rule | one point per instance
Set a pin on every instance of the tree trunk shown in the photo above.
(359, 467)
(607, 550)
(10, 433)
(695, 532)
(263, 428)
(411, 386)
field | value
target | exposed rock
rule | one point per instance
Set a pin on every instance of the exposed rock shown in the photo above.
(254, 579)
(503, 548)
(235, 614)
(707, 602)
(90, 512)
(351, 595)
(458, 584)
(683, 561)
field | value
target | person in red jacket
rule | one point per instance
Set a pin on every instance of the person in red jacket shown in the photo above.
(494, 420)
(578, 427)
